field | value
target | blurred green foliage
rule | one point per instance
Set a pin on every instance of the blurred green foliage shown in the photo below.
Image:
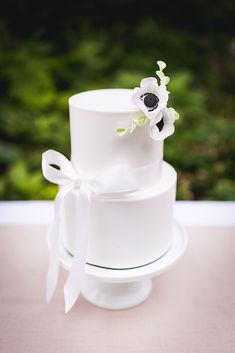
(37, 78)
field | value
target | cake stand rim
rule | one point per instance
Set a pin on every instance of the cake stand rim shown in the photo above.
(166, 262)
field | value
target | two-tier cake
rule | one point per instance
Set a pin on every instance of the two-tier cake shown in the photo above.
(114, 208)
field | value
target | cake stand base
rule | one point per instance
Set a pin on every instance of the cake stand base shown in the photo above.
(122, 289)
(116, 296)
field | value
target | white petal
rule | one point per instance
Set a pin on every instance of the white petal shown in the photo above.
(168, 127)
(149, 85)
(169, 115)
(136, 94)
(154, 132)
(156, 119)
(163, 93)
(149, 82)
(135, 90)
(150, 114)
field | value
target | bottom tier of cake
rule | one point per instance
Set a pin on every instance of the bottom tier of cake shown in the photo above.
(127, 232)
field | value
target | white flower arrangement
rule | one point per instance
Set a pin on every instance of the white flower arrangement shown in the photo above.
(152, 99)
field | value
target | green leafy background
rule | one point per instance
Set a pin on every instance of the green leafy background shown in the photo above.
(42, 63)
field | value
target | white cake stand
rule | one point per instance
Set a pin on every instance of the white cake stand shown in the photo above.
(122, 289)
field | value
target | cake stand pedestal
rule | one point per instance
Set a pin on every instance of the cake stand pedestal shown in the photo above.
(116, 296)
(122, 289)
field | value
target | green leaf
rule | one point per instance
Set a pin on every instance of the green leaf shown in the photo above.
(160, 74)
(141, 121)
(161, 65)
(176, 115)
(121, 131)
(165, 80)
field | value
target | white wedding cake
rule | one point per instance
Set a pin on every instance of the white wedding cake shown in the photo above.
(115, 205)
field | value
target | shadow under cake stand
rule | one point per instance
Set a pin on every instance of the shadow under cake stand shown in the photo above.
(122, 289)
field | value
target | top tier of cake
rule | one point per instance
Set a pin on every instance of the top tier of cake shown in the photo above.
(95, 145)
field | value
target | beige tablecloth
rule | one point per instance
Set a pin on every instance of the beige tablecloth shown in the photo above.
(191, 308)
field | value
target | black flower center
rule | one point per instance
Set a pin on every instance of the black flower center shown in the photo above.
(150, 100)
(160, 124)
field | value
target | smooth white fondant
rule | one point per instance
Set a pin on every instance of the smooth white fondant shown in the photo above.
(129, 231)
(113, 100)
(95, 145)
(156, 268)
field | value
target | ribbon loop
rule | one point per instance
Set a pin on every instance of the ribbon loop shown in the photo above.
(65, 172)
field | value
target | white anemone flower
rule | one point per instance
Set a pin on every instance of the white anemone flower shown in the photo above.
(150, 97)
(163, 125)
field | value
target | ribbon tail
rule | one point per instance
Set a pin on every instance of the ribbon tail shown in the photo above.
(76, 276)
(54, 236)
(53, 239)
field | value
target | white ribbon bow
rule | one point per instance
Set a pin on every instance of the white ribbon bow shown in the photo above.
(117, 180)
